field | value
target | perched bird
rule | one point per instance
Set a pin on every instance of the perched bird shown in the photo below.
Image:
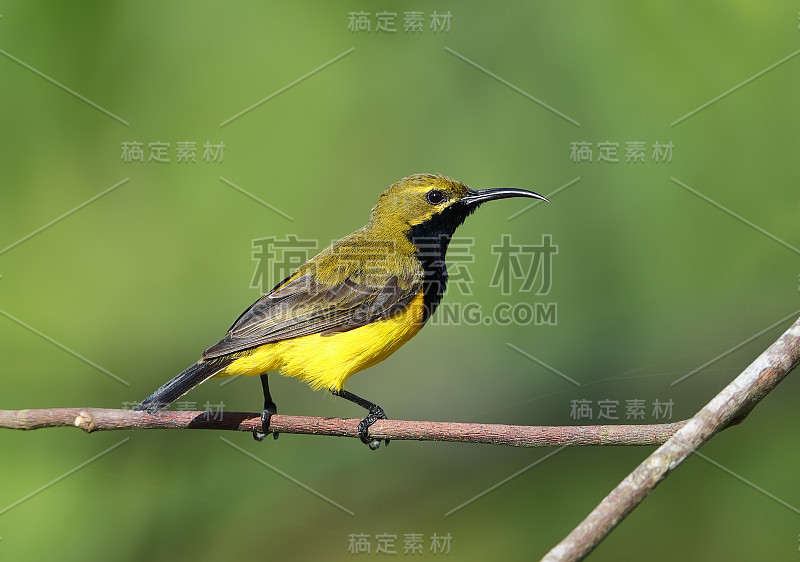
(350, 306)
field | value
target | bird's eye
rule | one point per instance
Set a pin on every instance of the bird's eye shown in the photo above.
(434, 197)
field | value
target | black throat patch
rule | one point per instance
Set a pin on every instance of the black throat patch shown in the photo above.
(431, 239)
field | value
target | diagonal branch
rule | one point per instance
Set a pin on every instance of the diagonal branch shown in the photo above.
(727, 408)
(96, 419)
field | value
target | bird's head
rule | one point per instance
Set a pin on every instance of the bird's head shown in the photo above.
(429, 205)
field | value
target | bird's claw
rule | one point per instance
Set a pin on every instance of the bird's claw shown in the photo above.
(266, 415)
(375, 414)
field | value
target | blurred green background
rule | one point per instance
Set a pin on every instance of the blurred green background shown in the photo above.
(651, 280)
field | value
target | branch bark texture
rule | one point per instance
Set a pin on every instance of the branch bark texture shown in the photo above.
(97, 419)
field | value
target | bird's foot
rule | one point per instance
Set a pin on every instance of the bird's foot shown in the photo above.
(266, 415)
(375, 413)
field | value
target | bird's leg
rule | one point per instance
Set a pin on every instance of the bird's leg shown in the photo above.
(269, 409)
(375, 413)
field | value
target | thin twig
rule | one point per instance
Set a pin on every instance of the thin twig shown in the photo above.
(729, 407)
(96, 419)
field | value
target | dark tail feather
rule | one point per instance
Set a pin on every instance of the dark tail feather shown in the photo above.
(181, 384)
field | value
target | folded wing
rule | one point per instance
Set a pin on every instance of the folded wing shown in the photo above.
(303, 306)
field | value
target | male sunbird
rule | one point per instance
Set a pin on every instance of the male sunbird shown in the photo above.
(350, 306)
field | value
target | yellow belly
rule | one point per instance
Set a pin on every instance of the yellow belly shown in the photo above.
(328, 361)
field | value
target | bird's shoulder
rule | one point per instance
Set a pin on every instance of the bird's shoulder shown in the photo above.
(363, 257)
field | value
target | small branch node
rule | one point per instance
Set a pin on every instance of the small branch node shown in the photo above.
(85, 421)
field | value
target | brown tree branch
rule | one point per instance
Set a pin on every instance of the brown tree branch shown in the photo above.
(680, 439)
(97, 419)
(728, 407)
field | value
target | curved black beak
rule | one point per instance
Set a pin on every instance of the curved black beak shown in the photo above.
(477, 196)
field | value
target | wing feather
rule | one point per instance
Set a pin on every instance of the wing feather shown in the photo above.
(304, 306)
